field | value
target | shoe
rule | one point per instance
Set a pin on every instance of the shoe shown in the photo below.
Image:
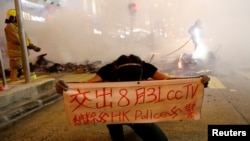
(33, 75)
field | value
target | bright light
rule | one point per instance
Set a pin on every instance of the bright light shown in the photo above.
(122, 36)
(180, 65)
(30, 17)
(127, 32)
(136, 30)
(95, 31)
(197, 34)
(200, 52)
(37, 18)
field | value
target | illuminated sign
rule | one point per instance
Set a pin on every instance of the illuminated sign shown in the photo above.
(30, 17)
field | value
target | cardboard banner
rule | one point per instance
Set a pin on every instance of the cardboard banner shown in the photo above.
(133, 102)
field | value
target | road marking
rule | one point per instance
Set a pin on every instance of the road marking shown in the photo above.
(82, 77)
(215, 83)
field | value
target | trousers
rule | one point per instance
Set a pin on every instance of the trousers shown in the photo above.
(146, 131)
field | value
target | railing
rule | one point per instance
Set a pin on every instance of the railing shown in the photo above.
(4, 86)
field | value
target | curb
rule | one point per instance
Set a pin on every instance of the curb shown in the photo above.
(22, 99)
(27, 109)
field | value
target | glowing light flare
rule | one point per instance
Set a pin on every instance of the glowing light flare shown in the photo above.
(94, 7)
(180, 65)
(165, 34)
(136, 30)
(122, 36)
(197, 33)
(95, 31)
(200, 52)
(127, 32)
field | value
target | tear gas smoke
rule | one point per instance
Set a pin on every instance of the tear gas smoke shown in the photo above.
(83, 30)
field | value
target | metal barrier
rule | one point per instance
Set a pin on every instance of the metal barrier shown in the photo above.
(4, 85)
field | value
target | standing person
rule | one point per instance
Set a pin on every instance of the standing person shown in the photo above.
(14, 45)
(195, 33)
(129, 68)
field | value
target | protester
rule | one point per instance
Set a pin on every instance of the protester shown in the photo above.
(195, 33)
(130, 68)
(14, 45)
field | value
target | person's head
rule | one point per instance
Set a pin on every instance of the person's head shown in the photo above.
(198, 22)
(128, 68)
(11, 16)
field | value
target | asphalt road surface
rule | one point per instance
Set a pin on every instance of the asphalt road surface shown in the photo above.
(50, 124)
(225, 104)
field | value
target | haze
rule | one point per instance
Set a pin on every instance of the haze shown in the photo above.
(80, 30)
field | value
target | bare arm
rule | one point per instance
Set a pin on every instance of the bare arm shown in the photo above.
(161, 76)
(96, 78)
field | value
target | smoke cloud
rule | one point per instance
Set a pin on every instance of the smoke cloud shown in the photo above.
(83, 30)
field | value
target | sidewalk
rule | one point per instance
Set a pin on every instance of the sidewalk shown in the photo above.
(20, 98)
